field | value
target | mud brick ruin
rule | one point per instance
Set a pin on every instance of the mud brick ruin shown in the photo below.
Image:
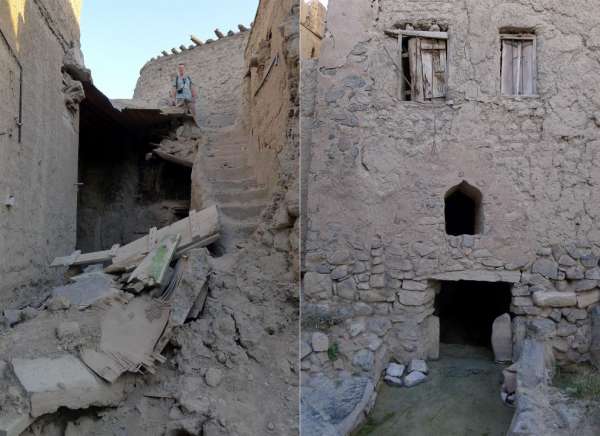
(149, 260)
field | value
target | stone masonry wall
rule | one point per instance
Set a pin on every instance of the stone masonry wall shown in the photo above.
(217, 71)
(38, 174)
(375, 246)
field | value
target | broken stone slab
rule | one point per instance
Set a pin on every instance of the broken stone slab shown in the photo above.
(129, 337)
(418, 365)
(555, 299)
(414, 378)
(478, 276)
(151, 271)
(188, 289)
(502, 338)
(63, 381)
(393, 381)
(199, 229)
(87, 289)
(395, 370)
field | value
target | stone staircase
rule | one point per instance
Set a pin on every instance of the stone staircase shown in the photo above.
(232, 185)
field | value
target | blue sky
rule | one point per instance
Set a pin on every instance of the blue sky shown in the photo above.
(118, 37)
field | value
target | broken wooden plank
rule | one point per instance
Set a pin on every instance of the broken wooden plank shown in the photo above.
(197, 230)
(129, 335)
(189, 288)
(151, 271)
(174, 159)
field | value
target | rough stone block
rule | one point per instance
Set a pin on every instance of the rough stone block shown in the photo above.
(502, 338)
(411, 285)
(415, 298)
(320, 342)
(395, 370)
(346, 289)
(586, 299)
(364, 359)
(418, 365)
(432, 328)
(546, 268)
(356, 327)
(555, 299)
(378, 280)
(315, 283)
(393, 381)
(63, 381)
(414, 378)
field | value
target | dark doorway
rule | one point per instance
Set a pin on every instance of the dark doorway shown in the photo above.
(467, 310)
(462, 210)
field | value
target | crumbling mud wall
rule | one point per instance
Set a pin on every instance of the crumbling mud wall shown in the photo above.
(123, 195)
(271, 92)
(376, 245)
(38, 139)
(217, 71)
(312, 28)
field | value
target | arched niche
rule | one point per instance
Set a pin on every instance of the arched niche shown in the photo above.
(462, 210)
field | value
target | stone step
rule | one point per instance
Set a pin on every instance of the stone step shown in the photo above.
(229, 157)
(228, 174)
(247, 183)
(240, 195)
(242, 211)
(226, 163)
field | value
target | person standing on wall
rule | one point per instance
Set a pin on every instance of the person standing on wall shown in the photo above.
(183, 92)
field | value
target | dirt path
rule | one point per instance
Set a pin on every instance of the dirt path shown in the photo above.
(460, 398)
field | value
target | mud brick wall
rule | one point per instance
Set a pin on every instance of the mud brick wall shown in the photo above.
(40, 170)
(217, 71)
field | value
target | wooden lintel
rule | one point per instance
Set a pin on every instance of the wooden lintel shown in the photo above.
(419, 33)
(524, 36)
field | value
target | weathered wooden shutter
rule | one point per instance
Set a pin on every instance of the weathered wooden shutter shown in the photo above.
(427, 59)
(518, 67)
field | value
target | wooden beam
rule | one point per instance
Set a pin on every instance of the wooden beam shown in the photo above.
(169, 157)
(418, 33)
(196, 40)
(197, 230)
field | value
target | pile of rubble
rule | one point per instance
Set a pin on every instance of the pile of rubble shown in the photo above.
(406, 375)
(116, 315)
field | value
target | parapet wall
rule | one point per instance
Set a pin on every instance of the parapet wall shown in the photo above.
(217, 71)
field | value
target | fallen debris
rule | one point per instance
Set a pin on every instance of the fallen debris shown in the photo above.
(130, 333)
(188, 289)
(151, 271)
(63, 381)
(199, 229)
(87, 289)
